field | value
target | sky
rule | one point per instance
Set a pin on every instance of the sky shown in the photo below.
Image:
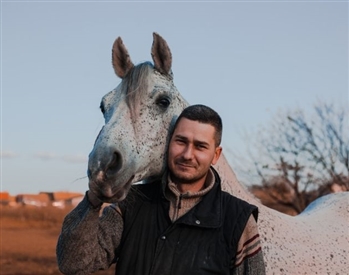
(245, 59)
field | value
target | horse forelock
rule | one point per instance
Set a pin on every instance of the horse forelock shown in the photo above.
(135, 85)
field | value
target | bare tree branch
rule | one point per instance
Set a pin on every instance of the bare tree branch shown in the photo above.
(303, 153)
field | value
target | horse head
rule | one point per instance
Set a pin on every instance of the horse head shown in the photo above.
(138, 114)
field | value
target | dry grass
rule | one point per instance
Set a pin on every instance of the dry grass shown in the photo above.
(28, 237)
(41, 217)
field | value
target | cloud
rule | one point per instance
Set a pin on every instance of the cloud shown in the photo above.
(75, 158)
(45, 156)
(8, 154)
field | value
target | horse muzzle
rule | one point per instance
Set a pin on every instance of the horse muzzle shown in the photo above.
(108, 191)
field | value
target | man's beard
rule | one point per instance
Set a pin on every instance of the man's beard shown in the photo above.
(178, 178)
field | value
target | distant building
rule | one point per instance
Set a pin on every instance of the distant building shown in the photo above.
(57, 199)
(4, 198)
(62, 199)
(38, 200)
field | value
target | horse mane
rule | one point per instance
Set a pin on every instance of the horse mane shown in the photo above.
(135, 84)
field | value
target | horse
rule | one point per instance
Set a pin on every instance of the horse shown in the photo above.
(131, 147)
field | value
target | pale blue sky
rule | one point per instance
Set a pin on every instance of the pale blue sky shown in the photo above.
(247, 60)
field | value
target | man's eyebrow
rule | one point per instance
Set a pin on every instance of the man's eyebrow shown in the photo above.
(180, 136)
(196, 142)
(199, 142)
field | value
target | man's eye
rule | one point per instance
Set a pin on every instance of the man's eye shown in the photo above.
(180, 141)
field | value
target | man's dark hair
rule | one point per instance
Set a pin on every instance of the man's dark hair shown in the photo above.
(203, 114)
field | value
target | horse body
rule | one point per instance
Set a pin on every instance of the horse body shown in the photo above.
(314, 242)
(131, 147)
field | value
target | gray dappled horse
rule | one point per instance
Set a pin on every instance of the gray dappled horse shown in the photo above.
(131, 147)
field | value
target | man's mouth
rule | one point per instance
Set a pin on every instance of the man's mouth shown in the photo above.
(185, 165)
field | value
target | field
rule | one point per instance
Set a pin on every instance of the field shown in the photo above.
(28, 237)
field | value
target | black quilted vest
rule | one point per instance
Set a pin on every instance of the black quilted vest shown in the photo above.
(203, 241)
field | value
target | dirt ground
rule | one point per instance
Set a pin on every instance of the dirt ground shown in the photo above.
(28, 237)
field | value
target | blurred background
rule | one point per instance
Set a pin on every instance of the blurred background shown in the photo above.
(276, 71)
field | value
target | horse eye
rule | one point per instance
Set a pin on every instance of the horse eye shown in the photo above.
(163, 102)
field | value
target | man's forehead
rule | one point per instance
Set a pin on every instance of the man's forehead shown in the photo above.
(187, 127)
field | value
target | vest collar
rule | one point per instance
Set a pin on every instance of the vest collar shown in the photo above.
(208, 212)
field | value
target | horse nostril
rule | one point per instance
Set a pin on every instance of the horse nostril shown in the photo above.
(114, 165)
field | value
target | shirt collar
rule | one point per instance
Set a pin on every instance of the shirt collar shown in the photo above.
(208, 212)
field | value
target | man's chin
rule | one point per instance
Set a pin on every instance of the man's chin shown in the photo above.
(183, 178)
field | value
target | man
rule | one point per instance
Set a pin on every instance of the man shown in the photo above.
(180, 224)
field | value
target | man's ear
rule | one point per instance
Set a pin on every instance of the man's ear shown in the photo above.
(217, 154)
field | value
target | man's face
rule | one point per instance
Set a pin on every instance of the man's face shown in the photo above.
(191, 151)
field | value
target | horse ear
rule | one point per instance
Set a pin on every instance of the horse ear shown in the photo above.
(161, 54)
(121, 60)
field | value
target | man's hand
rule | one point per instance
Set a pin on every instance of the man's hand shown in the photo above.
(94, 200)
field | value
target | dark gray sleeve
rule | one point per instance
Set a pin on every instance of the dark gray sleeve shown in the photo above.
(254, 265)
(249, 259)
(87, 242)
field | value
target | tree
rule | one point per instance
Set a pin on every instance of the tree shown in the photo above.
(299, 157)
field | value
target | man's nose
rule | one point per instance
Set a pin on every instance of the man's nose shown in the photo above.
(188, 152)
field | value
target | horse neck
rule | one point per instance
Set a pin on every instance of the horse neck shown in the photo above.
(230, 182)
